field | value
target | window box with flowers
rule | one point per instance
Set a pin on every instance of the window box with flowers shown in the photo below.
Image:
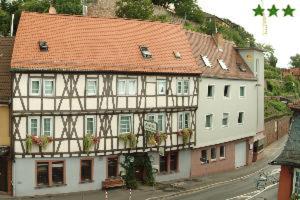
(88, 141)
(41, 141)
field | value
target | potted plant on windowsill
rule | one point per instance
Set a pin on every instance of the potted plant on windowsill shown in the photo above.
(88, 141)
(155, 139)
(41, 141)
(128, 138)
(186, 134)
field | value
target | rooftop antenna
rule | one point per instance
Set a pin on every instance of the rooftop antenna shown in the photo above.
(12, 25)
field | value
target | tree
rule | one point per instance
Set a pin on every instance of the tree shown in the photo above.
(270, 58)
(136, 9)
(295, 60)
(189, 9)
(4, 23)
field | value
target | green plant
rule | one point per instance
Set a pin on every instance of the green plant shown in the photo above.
(129, 168)
(155, 139)
(87, 142)
(186, 134)
(295, 196)
(28, 143)
(42, 141)
(128, 138)
(136, 9)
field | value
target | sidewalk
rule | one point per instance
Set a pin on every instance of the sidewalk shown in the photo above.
(166, 188)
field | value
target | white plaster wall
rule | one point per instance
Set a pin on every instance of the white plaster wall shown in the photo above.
(219, 105)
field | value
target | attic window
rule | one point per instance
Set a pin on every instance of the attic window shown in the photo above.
(177, 54)
(242, 68)
(43, 46)
(222, 64)
(145, 52)
(206, 61)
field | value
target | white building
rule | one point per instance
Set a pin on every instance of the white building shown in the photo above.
(230, 118)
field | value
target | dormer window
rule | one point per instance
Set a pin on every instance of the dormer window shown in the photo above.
(206, 61)
(145, 52)
(222, 64)
(241, 67)
(43, 45)
(177, 54)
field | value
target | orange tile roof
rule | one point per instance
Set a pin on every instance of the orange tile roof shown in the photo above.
(205, 45)
(6, 48)
(78, 43)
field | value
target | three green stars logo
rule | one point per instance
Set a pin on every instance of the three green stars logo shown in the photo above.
(288, 11)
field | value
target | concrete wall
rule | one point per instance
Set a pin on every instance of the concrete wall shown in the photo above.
(232, 105)
(25, 183)
(4, 125)
(184, 166)
(276, 128)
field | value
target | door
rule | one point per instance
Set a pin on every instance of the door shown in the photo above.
(3, 175)
(240, 154)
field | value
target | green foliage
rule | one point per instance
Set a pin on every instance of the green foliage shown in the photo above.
(189, 9)
(275, 108)
(272, 72)
(28, 143)
(186, 135)
(4, 23)
(161, 18)
(295, 196)
(128, 138)
(87, 142)
(129, 168)
(136, 9)
(295, 60)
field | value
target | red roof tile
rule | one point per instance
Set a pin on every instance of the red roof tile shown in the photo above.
(205, 45)
(78, 43)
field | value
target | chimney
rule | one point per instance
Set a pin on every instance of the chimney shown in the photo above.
(52, 10)
(219, 40)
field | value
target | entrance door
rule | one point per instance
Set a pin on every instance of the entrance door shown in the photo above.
(240, 154)
(3, 175)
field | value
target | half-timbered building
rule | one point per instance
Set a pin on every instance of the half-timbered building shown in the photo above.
(84, 89)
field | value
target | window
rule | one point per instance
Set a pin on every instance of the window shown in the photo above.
(112, 167)
(161, 87)
(226, 90)
(47, 126)
(168, 162)
(210, 91)
(174, 161)
(225, 119)
(50, 173)
(222, 64)
(127, 87)
(222, 151)
(34, 126)
(35, 87)
(90, 124)
(208, 122)
(177, 54)
(206, 61)
(203, 158)
(183, 87)
(159, 119)
(242, 91)
(296, 181)
(48, 87)
(241, 118)
(86, 171)
(213, 154)
(125, 124)
(91, 87)
(183, 120)
(145, 52)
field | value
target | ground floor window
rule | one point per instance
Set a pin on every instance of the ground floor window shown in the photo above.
(112, 167)
(296, 182)
(203, 157)
(49, 173)
(86, 170)
(168, 162)
(222, 151)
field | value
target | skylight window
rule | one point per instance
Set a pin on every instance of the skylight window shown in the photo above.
(43, 45)
(177, 54)
(145, 52)
(222, 64)
(206, 61)
(242, 68)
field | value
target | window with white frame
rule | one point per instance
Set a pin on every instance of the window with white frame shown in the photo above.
(127, 87)
(208, 121)
(90, 124)
(242, 91)
(34, 126)
(241, 118)
(225, 119)
(183, 87)
(213, 153)
(47, 126)
(296, 181)
(48, 87)
(222, 151)
(91, 87)
(210, 90)
(35, 87)
(226, 90)
(159, 118)
(161, 87)
(183, 120)
(125, 123)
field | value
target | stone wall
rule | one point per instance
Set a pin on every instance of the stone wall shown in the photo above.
(102, 8)
(276, 128)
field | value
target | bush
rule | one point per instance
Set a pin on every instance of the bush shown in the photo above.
(136, 9)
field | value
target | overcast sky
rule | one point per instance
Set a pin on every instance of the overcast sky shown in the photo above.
(283, 32)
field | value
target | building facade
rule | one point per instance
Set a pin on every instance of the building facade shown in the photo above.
(230, 118)
(6, 47)
(82, 97)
